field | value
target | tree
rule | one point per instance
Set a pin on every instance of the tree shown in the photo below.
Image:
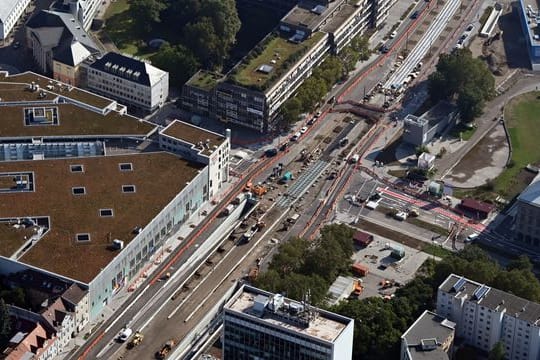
(497, 353)
(146, 13)
(291, 110)
(360, 44)
(461, 77)
(5, 321)
(521, 263)
(178, 61)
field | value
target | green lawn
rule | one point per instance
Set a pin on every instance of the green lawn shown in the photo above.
(279, 53)
(521, 116)
(436, 250)
(119, 27)
(116, 7)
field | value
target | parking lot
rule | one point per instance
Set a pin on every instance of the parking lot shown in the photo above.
(376, 256)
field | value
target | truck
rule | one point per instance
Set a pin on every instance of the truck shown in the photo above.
(360, 269)
(228, 210)
(165, 349)
(286, 177)
(293, 218)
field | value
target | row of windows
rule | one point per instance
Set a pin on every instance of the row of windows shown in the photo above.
(81, 190)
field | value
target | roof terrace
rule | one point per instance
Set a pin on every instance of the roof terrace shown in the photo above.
(193, 134)
(72, 192)
(326, 326)
(205, 80)
(270, 60)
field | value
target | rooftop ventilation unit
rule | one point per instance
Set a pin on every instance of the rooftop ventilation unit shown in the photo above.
(117, 244)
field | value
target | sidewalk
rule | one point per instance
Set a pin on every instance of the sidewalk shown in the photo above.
(173, 241)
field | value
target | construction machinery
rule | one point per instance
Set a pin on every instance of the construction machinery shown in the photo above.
(136, 340)
(358, 288)
(165, 350)
(259, 190)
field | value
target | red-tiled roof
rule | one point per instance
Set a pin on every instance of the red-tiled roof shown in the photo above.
(477, 205)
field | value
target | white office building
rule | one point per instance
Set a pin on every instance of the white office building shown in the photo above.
(202, 146)
(10, 12)
(485, 316)
(261, 325)
(130, 81)
(83, 10)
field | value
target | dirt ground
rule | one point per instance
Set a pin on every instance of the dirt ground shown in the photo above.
(507, 53)
(485, 161)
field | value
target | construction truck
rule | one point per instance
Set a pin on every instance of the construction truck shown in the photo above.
(136, 340)
(358, 288)
(165, 350)
(259, 190)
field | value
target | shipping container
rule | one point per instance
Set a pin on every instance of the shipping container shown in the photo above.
(360, 270)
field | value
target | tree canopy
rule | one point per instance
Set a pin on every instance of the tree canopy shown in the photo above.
(201, 32)
(464, 79)
(300, 265)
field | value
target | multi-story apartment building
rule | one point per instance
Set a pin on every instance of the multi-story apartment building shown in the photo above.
(485, 316)
(130, 81)
(202, 146)
(59, 45)
(527, 219)
(259, 324)
(55, 143)
(430, 337)
(252, 93)
(84, 11)
(10, 12)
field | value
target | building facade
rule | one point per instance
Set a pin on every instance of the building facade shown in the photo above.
(258, 324)
(10, 13)
(527, 219)
(59, 45)
(420, 130)
(252, 93)
(528, 16)
(430, 337)
(202, 146)
(130, 81)
(485, 316)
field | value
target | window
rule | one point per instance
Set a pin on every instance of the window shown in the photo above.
(78, 190)
(76, 168)
(83, 237)
(128, 188)
(105, 212)
(126, 167)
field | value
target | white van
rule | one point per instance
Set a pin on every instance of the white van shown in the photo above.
(354, 158)
(296, 136)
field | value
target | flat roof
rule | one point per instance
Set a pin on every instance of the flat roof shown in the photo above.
(531, 194)
(279, 53)
(64, 90)
(326, 326)
(310, 13)
(73, 120)
(205, 79)
(58, 251)
(339, 17)
(533, 27)
(429, 326)
(193, 134)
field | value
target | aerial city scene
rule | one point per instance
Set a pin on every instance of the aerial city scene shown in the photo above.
(269, 179)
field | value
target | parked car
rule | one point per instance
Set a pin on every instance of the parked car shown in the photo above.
(415, 14)
(471, 238)
(271, 152)
(384, 49)
(393, 34)
(296, 136)
(303, 130)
